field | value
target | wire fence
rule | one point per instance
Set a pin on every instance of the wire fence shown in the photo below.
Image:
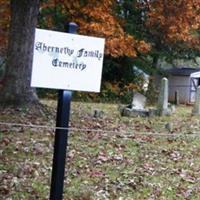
(123, 133)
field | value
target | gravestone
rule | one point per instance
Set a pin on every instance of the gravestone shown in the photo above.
(162, 106)
(137, 107)
(196, 108)
(98, 113)
(138, 101)
(176, 98)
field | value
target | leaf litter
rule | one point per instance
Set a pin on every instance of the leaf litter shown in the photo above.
(113, 159)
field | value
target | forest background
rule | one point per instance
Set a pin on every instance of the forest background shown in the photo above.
(139, 33)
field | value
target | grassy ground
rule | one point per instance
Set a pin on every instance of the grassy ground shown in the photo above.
(110, 157)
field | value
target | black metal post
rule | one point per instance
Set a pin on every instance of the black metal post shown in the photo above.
(61, 138)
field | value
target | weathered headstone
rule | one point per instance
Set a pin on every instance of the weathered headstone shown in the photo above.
(169, 126)
(137, 107)
(176, 98)
(196, 108)
(98, 114)
(138, 101)
(162, 106)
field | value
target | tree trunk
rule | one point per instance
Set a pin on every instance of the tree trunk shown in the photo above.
(16, 89)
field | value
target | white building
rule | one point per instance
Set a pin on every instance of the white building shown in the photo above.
(185, 81)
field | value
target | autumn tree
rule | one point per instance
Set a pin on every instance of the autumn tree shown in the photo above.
(174, 27)
(171, 27)
(177, 21)
(16, 84)
(101, 19)
(98, 18)
(95, 18)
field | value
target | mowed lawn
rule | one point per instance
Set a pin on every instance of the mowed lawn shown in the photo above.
(109, 157)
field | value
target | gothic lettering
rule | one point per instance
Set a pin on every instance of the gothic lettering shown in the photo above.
(39, 46)
(71, 65)
(93, 54)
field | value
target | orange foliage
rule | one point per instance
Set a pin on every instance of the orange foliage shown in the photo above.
(175, 20)
(95, 18)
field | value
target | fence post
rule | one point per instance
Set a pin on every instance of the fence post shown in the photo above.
(61, 138)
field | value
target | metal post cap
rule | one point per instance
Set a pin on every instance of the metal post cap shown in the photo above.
(72, 27)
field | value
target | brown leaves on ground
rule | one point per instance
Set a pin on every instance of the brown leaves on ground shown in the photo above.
(109, 157)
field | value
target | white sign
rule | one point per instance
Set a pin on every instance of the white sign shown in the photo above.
(67, 61)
